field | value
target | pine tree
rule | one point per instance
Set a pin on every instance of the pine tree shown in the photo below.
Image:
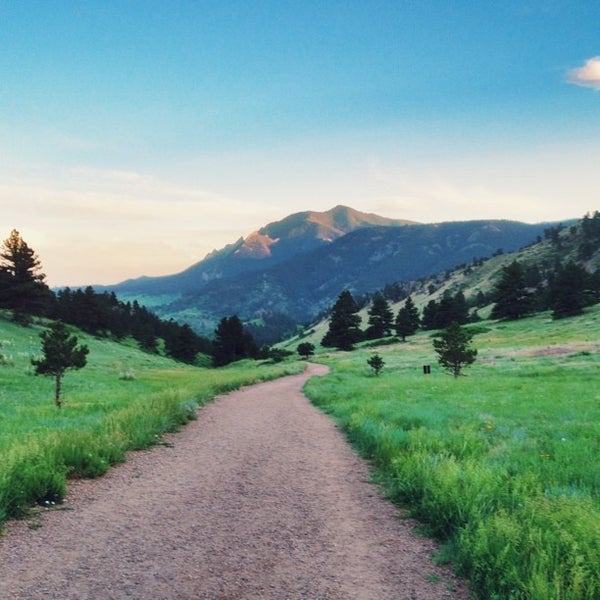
(407, 319)
(232, 342)
(567, 295)
(22, 287)
(61, 353)
(183, 345)
(380, 318)
(430, 315)
(376, 363)
(511, 297)
(344, 324)
(454, 350)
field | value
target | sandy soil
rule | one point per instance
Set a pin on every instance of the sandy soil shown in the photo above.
(260, 498)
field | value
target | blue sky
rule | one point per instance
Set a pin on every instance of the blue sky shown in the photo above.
(136, 136)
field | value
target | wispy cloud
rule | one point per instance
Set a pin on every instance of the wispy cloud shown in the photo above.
(92, 225)
(440, 194)
(588, 75)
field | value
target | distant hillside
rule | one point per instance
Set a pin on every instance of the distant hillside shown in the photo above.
(361, 261)
(292, 270)
(578, 242)
(271, 245)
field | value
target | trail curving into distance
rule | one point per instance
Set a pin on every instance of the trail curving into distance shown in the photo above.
(260, 498)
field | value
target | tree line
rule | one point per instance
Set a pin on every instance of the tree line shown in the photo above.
(23, 291)
(344, 322)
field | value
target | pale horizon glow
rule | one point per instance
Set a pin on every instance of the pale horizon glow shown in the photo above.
(137, 138)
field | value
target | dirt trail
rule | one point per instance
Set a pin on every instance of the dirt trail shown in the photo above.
(260, 498)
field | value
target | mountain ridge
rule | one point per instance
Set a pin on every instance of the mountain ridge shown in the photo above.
(296, 267)
(271, 244)
(361, 261)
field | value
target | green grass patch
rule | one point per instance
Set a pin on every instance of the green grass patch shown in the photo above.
(122, 400)
(503, 464)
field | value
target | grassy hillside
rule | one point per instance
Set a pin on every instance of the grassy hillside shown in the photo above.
(480, 276)
(122, 400)
(483, 276)
(503, 464)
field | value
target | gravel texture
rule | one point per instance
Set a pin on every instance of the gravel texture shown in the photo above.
(260, 498)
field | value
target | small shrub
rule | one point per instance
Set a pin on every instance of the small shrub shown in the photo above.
(127, 375)
(6, 360)
(376, 363)
(306, 350)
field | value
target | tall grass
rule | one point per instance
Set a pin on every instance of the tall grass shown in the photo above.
(104, 416)
(502, 465)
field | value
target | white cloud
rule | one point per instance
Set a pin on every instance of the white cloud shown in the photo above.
(588, 75)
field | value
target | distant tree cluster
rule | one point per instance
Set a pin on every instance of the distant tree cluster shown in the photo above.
(566, 290)
(451, 308)
(590, 227)
(270, 327)
(24, 292)
(344, 323)
(103, 314)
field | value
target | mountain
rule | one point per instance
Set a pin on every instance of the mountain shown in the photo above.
(271, 245)
(297, 267)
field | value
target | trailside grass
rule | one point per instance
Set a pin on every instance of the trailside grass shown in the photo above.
(122, 400)
(503, 464)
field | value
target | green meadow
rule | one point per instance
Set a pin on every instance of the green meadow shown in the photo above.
(503, 464)
(122, 400)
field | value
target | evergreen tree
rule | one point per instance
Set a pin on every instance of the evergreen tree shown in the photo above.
(61, 353)
(460, 309)
(590, 225)
(511, 297)
(407, 319)
(452, 308)
(232, 342)
(445, 311)
(430, 315)
(22, 287)
(437, 315)
(568, 293)
(146, 338)
(480, 299)
(376, 363)
(344, 324)
(380, 318)
(182, 346)
(454, 350)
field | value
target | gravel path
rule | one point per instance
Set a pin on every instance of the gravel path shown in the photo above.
(260, 498)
